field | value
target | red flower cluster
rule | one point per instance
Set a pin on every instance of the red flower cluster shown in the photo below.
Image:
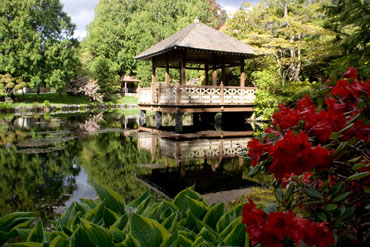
(276, 228)
(295, 154)
(256, 150)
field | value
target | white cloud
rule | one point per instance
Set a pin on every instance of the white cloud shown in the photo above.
(81, 13)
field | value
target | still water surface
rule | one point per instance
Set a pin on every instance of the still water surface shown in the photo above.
(48, 162)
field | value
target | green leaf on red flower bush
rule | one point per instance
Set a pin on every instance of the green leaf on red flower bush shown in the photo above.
(358, 176)
(313, 193)
(279, 194)
(341, 197)
(336, 188)
(348, 126)
(289, 191)
(367, 207)
(334, 136)
(320, 215)
(353, 160)
(358, 166)
(255, 170)
(330, 207)
(348, 213)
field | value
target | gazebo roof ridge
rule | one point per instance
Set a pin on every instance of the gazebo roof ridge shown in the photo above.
(198, 36)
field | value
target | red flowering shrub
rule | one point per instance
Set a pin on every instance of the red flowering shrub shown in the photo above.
(277, 229)
(320, 157)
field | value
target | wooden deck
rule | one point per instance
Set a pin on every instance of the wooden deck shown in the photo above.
(197, 98)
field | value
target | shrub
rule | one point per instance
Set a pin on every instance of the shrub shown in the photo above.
(145, 221)
(10, 84)
(320, 157)
(87, 87)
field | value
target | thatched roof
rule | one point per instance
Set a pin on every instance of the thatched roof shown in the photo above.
(198, 36)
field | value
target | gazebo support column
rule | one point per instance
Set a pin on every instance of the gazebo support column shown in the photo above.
(167, 76)
(182, 71)
(242, 73)
(142, 119)
(158, 120)
(153, 82)
(214, 76)
(206, 73)
(178, 122)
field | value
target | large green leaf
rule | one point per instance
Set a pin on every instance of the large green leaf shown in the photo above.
(121, 222)
(229, 217)
(97, 234)
(213, 215)
(37, 234)
(142, 198)
(148, 232)
(8, 221)
(197, 207)
(96, 214)
(13, 232)
(59, 241)
(112, 199)
(236, 236)
(130, 241)
(27, 244)
(171, 222)
(79, 238)
(189, 192)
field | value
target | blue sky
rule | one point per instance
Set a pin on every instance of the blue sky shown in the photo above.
(82, 11)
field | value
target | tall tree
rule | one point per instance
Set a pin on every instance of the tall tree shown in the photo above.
(122, 29)
(36, 42)
(289, 30)
(350, 20)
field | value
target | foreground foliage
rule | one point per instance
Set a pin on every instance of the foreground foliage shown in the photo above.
(146, 221)
(320, 157)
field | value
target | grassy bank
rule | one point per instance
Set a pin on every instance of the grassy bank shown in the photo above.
(61, 99)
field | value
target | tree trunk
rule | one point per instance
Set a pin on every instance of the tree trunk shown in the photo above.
(38, 90)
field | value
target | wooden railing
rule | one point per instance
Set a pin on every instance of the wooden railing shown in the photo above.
(198, 149)
(196, 95)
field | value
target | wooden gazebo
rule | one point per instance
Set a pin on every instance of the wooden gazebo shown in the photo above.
(128, 84)
(197, 47)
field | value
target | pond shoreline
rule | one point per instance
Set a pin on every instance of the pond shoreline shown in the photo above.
(63, 109)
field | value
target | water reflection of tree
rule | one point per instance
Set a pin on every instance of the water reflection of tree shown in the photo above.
(111, 159)
(36, 182)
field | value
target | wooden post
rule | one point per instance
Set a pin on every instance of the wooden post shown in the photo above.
(214, 76)
(223, 74)
(167, 76)
(242, 73)
(182, 71)
(206, 71)
(138, 93)
(178, 122)
(152, 149)
(158, 99)
(222, 89)
(178, 92)
(158, 120)
(154, 87)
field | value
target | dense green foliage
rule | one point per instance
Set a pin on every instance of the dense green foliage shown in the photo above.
(145, 221)
(350, 20)
(36, 43)
(121, 29)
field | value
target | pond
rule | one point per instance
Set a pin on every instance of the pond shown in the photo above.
(46, 162)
